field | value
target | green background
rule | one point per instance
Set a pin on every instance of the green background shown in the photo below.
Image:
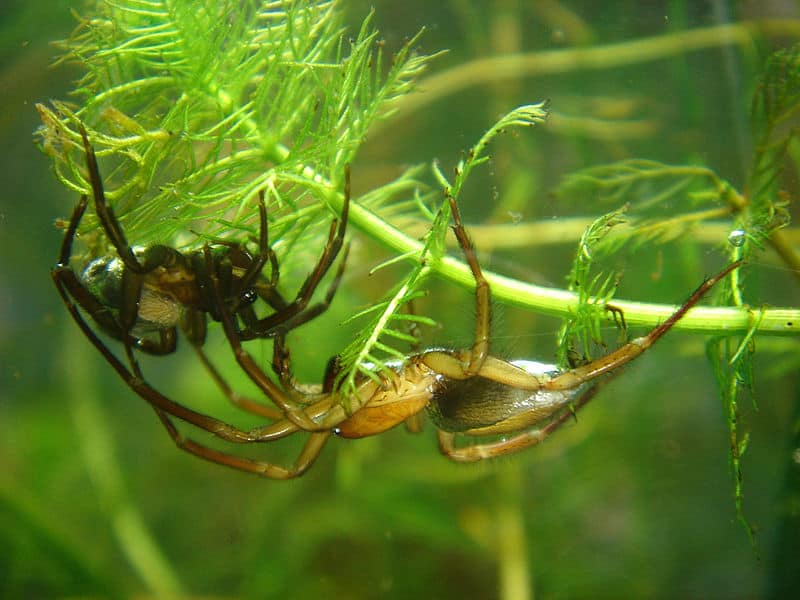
(633, 500)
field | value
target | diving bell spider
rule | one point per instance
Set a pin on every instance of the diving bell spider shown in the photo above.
(464, 392)
(141, 296)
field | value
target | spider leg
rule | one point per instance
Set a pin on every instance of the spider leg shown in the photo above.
(253, 278)
(265, 253)
(291, 409)
(633, 349)
(65, 253)
(133, 274)
(194, 326)
(105, 214)
(120, 326)
(480, 345)
(308, 454)
(317, 309)
(294, 312)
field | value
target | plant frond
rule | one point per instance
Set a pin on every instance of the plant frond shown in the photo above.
(775, 103)
(193, 107)
(594, 290)
(733, 371)
(664, 201)
(368, 355)
(522, 116)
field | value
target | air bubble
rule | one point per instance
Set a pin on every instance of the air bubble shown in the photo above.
(736, 238)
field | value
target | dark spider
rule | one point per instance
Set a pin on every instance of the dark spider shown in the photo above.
(141, 296)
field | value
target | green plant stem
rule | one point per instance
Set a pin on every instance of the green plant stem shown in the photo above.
(515, 66)
(568, 230)
(561, 303)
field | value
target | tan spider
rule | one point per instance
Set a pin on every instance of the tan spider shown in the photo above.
(464, 392)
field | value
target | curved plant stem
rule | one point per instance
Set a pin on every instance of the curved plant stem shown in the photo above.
(559, 302)
(554, 301)
(516, 66)
(568, 230)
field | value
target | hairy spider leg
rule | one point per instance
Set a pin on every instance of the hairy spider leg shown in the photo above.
(295, 313)
(196, 319)
(483, 295)
(105, 214)
(292, 316)
(134, 272)
(265, 254)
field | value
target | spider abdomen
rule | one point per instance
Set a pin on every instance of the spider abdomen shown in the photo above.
(481, 406)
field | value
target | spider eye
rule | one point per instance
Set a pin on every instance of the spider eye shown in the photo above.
(248, 296)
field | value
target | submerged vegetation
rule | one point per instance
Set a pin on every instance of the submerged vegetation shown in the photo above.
(196, 107)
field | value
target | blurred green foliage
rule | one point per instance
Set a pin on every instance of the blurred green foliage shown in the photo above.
(633, 500)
